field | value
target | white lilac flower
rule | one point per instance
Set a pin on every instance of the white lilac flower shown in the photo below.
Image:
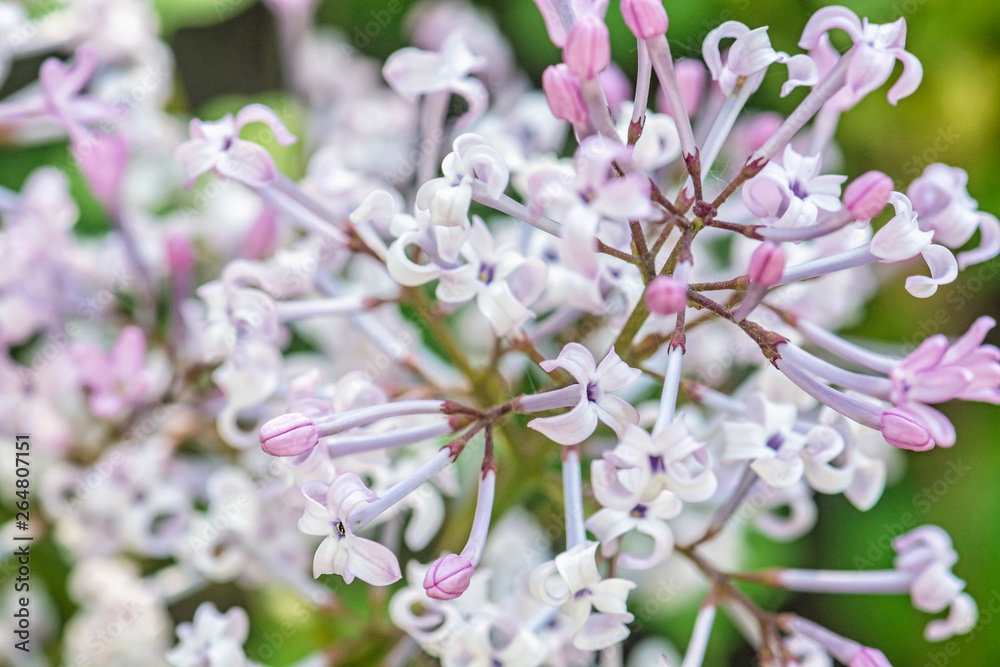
(572, 582)
(217, 146)
(595, 382)
(328, 513)
(749, 57)
(211, 639)
(793, 193)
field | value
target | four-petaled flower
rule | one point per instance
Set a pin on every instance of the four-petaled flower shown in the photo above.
(212, 639)
(328, 513)
(939, 371)
(792, 193)
(876, 49)
(217, 145)
(643, 466)
(748, 59)
(595, 381)
(579, 590)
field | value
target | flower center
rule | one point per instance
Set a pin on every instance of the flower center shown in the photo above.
(486, 272)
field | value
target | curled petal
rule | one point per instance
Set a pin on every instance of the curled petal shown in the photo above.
(826, 19)
(802, 71)
(989, 244)
(943, 268)
(962, 617)
(258, 113)
(909, 80)
(710, 49)
(404, 270)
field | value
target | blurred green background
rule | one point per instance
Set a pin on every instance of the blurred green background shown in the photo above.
(228, 48)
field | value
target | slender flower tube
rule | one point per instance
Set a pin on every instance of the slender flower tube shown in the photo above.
(663, 65)
(296, 310)
(367, 513)
(338, 423)
(695, 655)
(344, 445)
(573, 498)
(448, 577)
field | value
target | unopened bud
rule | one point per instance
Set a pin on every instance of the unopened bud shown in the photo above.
(867, 195)
(288, 435)
(588, 47)
(901, 430)
(666, 295)
(448, 577)
(562, 92)
(767, 264)
(645, 18)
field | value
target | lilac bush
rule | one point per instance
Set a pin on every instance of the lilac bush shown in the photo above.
(482, 306)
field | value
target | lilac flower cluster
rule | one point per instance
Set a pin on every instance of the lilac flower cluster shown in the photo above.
(556, 276)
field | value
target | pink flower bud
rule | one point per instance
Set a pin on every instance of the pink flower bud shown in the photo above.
(901, 429)
(867, 195)
(588, 47)
(645, 18)
(288, 435)
(180, 255)
(448, 577)
(666, 296)
(767, 264)
(562, 92)
(869, 657)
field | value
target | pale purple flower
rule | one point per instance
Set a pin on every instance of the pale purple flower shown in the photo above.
(211, 639)
(578, 588)
(216, 145)
(413, 72)
(595, 383)
(944, 206)
(61, 100)
(939, 371)
(328, 513)
(876, 49)
(927, 555)
(117, 380)
(749, 57)
(793, 192)
(642, 466)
